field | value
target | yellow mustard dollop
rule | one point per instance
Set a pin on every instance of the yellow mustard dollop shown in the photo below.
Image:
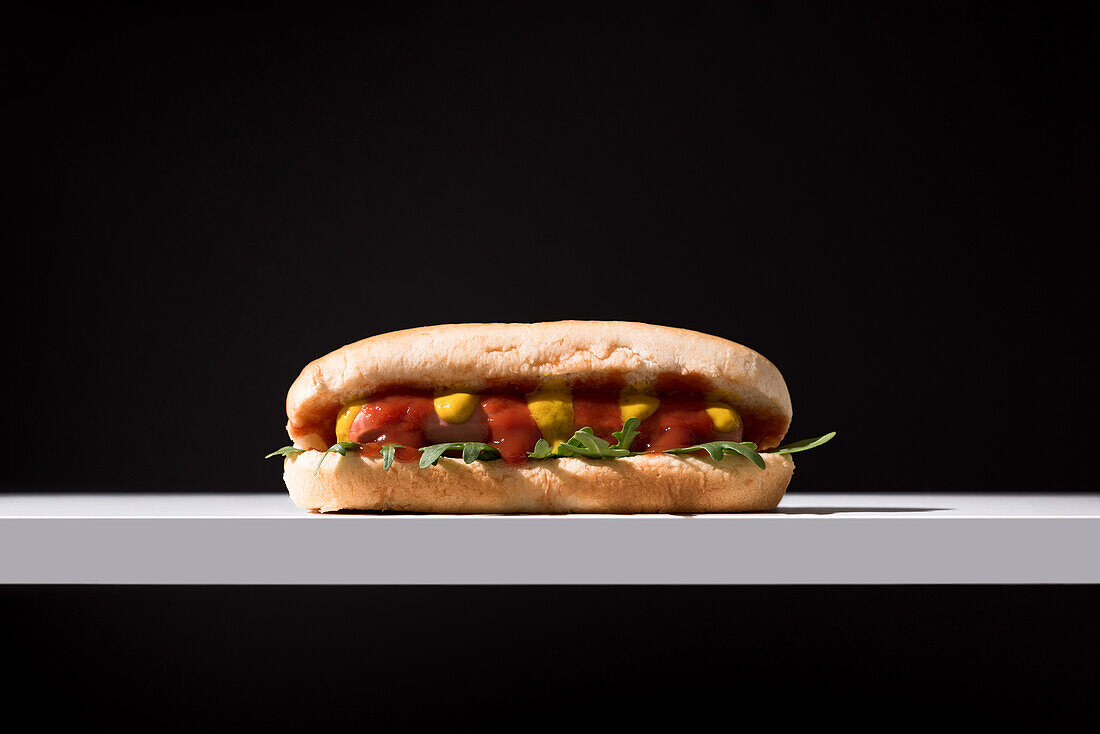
(346, 418)
(552, 409)
(637, 404)
(455, 406)
(723, 417)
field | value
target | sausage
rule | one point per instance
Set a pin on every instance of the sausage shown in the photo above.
(476, 428)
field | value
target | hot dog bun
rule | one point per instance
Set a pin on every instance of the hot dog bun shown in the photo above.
(480, 357)
(477, 356)
(648, 483)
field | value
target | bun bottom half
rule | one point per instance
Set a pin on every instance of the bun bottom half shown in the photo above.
(651, 483)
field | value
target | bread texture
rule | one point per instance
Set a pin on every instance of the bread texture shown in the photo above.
(664, 483)
(480, 356)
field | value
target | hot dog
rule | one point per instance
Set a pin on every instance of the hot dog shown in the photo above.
(551, 417)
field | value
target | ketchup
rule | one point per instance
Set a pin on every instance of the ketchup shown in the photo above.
(678, 422)
(512, 430)
(395, 418)
(599, 410)
(504, 421)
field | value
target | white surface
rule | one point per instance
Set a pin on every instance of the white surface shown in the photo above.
(810, 539)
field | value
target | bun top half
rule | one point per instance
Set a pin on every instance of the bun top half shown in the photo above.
(493, 356)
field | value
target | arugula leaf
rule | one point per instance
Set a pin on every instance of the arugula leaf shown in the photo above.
(389, 451)
(429, 455)
(586, 438)
(471, 452)
(585, 443)
(542, 450)
(627, 434)
(286, 451)
(340, 447)
(804, 445)
(719, 449)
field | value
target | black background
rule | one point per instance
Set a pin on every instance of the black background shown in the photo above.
(894, 204)
(574, 659)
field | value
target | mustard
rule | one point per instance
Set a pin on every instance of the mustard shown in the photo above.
(724, 418)
(552, 409)
(346, 418)
(455, 406)
(634, 403)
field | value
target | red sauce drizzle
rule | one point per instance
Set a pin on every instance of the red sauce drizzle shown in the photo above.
(512, 430)
(399, 417)
(679, 421)
(599, 410)
(395, 418)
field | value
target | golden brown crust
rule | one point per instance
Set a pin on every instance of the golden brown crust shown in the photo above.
(477, 355)
(648, 483)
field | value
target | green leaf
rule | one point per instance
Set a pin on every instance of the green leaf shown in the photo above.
(748, 450)
(471, 452)
(429, 455)
(389, 451)
(286, 451)
(575, 441)
(717, 453)
(340, 447)
(628, 433)
(567, 449)
(719, 449)
(584, 443)
(542, 450)
(804, 445)
(589, 441)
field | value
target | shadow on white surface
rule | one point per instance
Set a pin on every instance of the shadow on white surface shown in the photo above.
(846, 510)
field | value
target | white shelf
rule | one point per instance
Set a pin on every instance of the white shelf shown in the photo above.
(810, 539)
